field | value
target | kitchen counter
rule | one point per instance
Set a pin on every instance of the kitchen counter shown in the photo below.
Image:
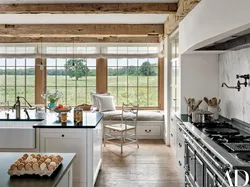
(6, 159)
(50, 119)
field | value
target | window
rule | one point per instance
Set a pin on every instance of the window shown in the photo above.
(76, 78)
(134, 81)
(17, 78)
(175, 77)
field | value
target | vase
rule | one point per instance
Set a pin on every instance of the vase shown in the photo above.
(51, 105)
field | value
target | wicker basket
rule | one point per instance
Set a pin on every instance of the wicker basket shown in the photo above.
(84, 107)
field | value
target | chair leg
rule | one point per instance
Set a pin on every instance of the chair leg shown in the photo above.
(121, 142)
(137, 142)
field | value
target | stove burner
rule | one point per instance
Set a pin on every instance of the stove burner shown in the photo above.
(244, 156)
(223, 130)
(238, 147)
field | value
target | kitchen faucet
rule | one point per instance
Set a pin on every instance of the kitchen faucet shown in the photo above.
(17, 107)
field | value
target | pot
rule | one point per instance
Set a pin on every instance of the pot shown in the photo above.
(200, 116)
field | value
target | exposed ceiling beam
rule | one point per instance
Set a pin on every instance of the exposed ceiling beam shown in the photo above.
(172, 21)
(152, 39)
(90, 8)
(80, 30)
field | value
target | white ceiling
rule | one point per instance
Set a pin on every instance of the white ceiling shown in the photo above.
(85, 1)
(82, 18)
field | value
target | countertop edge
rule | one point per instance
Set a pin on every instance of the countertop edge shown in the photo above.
(64, 172)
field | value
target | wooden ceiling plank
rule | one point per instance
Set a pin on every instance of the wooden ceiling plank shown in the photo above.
(172, 21)
(90, 8)
(79, 40)
(60, 30)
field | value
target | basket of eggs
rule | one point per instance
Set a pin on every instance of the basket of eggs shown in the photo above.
(35, 164)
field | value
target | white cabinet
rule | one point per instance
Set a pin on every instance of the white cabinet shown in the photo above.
(173, 138)
(63, 141)
(86, 143)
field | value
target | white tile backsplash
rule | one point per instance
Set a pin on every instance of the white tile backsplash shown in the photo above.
(234, 104)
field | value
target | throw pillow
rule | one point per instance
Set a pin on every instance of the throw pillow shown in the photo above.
(94, 100)
(106, 103)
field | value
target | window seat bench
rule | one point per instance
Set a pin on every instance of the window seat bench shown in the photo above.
(150, 124)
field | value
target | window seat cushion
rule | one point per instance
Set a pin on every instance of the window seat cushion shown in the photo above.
(143, 115)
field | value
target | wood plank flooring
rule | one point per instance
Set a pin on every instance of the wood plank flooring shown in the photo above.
(152, 165)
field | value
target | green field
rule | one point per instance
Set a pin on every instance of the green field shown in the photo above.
(147, 89)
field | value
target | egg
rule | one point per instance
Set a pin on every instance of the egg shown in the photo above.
(17, 162)
(35, 166)
(50, 167)
(25, 155)
(43, 166)
(20, 166)
(20, 160)
(56, 160)
(53, 164)
(28, 166)
(13, 166)
(47, 161)
(34, 160)
(33, 155)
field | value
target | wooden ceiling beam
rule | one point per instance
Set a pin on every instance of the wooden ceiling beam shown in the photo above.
(172, 21)
(152, 39)
(80, 30)
(90, 8)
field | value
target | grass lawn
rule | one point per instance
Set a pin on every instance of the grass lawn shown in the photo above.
(146, 91)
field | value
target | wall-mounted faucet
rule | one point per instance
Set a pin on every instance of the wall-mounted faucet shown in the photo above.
(238, 87)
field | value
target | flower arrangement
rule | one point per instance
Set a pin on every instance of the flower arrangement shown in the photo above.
(52, 96)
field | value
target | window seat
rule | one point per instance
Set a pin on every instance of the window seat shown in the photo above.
(150, 124)
(143, 115)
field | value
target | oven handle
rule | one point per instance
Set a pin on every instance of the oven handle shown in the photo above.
(188, 137)
(204, 158)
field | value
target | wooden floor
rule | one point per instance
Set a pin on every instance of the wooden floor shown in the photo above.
(152, 165)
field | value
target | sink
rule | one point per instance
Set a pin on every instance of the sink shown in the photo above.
(17, 134)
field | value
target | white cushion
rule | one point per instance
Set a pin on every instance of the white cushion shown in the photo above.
(106, 103)
(94, 100)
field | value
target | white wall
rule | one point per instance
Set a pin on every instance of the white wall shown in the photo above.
(211, 20)
(234, 104)
(199, 77)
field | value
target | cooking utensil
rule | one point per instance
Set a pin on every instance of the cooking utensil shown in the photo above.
(219, 102)
(197, 105)
(206, 100)
(214, 101)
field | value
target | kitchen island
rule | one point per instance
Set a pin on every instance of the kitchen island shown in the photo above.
(84, 139)
(62, 176)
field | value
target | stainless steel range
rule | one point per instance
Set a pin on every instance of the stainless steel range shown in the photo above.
(215, 148)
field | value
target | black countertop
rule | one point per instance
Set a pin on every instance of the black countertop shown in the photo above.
(6, 159)
(50, 119)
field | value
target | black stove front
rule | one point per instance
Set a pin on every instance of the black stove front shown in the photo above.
(226, 136)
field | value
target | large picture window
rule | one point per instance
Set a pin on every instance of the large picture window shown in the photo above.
(134, 81)
(76, 78)
(17, 78)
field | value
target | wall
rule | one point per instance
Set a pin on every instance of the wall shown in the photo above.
(234, 104)
(199, 77)
(212, 20)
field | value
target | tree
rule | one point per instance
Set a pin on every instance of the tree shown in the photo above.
(76, 68)
(146, 69)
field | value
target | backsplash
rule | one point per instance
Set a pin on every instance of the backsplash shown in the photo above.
(234, 104)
